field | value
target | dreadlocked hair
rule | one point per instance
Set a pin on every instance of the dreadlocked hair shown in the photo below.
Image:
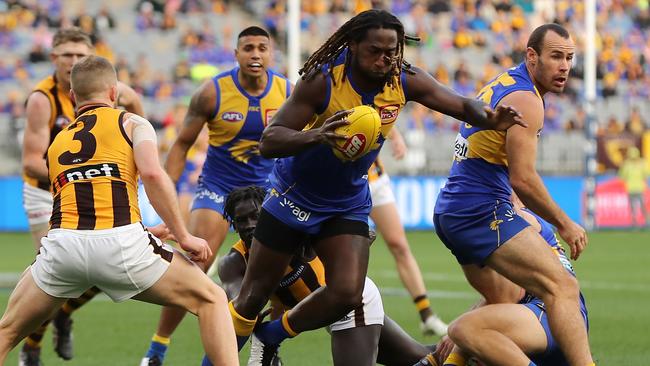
(356, 29)
(237, 195)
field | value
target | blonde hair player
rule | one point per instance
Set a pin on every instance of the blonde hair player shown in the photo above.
(96, 237)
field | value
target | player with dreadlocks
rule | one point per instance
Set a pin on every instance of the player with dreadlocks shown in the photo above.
(316, 195)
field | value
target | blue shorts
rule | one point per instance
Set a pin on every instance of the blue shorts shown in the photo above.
(301, 216)
(211, 196)
(472, 234)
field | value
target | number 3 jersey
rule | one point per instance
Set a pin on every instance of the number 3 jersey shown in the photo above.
(92, 172)
(479, 172)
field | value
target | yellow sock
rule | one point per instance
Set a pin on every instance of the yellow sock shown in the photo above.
(286, 326)
(162, 340)
(455, 359)
(243, 327)
(422, 302)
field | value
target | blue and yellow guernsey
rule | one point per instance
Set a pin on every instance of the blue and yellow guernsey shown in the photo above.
(479, 172)
(233, 158)
(316, 175)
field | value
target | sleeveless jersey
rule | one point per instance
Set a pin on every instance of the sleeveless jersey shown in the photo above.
(62, 113)
(479, 172)
(316, 175)
(300, 278)
(233, 158)
(93, 172)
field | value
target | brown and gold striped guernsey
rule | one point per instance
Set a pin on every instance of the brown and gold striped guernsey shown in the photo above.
(62, 114)
(376, 170)
(93, 172)
(301, 278)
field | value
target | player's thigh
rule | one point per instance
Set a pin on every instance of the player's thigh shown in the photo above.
(386, 218)
(28, 307)
(494, 287)
(356, 346)
(516, 322)
(184, 285)
(345, 258)
(209, 225)
(527, 260)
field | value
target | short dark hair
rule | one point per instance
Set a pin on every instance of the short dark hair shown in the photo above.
(536, 39)
(237, 195)
(254, 31)
(71, 34)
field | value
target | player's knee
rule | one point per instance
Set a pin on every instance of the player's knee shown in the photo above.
(347, 296)
(210, 296)
(399, 248)
(460, 332)
(562, 286)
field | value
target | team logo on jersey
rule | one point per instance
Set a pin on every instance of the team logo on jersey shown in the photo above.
(388, 113)
(494, 225)
(232, 116)
(86, 172)
(268, 116)
(461, 148)
(243, 150)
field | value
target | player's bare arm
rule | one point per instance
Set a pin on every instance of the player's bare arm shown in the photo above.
(159, 187)
(231, 272)
(397, 144)
(521, 149)
(426, 90)
(129, 99)
(284, 136)
(37, 136)
(201, 109)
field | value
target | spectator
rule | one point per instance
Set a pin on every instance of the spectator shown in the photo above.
(634, 173)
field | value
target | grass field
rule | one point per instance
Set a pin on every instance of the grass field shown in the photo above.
(613, 272)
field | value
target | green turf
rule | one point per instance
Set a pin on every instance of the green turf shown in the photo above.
(613, 272)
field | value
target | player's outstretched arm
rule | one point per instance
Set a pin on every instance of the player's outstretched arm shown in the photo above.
(521, 149)
(37, 136)
(424, 89)
(159, 187)
(231, 273)
(201, 109)
(285, 135)
(129, 99)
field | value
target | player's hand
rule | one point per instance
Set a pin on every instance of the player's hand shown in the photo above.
(398, 146)
(326, 132)
(443, 349)
(575, 236)
(196, 248)
(161, 231)
(504, 117)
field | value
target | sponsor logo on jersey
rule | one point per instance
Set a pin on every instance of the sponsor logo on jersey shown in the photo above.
(268, 116)
(254, 108)
(86, 172)
(461, 148)
(299, 213)
(232, 116)
(388, 113)
(206, 193)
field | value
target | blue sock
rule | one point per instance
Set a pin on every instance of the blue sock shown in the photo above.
(532, 363)
(205, 361)
(272, 332)
(157, 349)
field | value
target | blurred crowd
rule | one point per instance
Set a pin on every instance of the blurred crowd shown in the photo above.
(462, 43)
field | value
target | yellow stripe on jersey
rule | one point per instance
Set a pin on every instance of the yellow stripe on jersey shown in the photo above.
(489, 145)
(92, 173)
(342, 96)
(62, 113)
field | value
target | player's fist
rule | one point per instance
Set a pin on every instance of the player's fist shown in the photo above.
(197, 249)
(575, 236)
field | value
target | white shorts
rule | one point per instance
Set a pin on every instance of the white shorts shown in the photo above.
(370, 313)
(121, 261)
(38, 204)
(381, 191)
